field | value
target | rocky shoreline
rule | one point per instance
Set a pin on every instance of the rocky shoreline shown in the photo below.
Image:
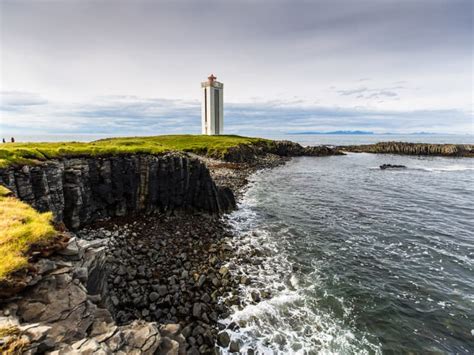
(403, 148)
(174, 269)
(152, 284)
(169, 270)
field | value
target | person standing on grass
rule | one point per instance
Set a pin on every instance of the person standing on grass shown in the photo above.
(13, 139)
(3, 139)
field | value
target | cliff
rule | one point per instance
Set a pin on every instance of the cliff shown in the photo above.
(449, 150)
(81, 190)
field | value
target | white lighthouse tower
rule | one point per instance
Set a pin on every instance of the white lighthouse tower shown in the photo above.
(212, 110)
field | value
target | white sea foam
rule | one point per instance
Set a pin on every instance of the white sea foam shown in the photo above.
(436, 169)
(287, 322)
(449, 168)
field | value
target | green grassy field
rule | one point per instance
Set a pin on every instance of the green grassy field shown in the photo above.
(30, 153)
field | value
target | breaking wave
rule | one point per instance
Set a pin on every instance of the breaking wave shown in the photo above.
(346, 260)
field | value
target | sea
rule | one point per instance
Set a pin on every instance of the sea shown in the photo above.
(358, 260)
(355, 259)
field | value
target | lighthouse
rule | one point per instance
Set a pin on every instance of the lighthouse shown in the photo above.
(212, 110)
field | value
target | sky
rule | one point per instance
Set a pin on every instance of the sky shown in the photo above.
(135, 67)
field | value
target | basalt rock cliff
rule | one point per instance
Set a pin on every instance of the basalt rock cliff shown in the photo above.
(451, 150)
(251, 153)
(81, 190)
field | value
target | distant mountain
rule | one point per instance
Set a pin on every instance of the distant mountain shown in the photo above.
(414, 134)
(423, 133)
(333, 132)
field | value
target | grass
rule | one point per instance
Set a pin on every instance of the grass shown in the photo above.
(31, 153)
(11, 341)
(21, 228)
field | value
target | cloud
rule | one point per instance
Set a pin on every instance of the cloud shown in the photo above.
(132, 115)
(16, 100)
(372, 94)
(349, 92)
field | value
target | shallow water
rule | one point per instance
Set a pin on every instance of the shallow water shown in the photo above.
(358, 259)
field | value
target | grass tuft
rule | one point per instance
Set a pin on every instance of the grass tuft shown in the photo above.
(31, 153)
(11, 341)
(21, 227)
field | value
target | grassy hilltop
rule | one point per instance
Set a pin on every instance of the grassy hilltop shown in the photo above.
(29, 153)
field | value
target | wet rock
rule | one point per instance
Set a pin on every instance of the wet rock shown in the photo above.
(223, 339)
(234, 346)
(244, 280)
(255, 296)
(392, 166)
(224, 271)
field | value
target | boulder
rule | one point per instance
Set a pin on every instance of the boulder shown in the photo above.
(392, 166)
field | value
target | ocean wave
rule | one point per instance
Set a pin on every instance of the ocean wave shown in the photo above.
(449, 168)
(445, 168)
(289, 321)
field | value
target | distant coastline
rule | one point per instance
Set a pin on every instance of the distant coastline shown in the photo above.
(333, 132)
(343, 132)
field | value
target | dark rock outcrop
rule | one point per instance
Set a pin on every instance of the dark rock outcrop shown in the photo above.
(450, 150)
(392, 166)
(245, 153)
(59, 314)
(81, 190)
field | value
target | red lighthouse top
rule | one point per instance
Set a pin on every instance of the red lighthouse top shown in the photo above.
(212, 78)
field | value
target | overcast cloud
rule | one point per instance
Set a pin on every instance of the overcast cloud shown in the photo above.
(135, 66)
